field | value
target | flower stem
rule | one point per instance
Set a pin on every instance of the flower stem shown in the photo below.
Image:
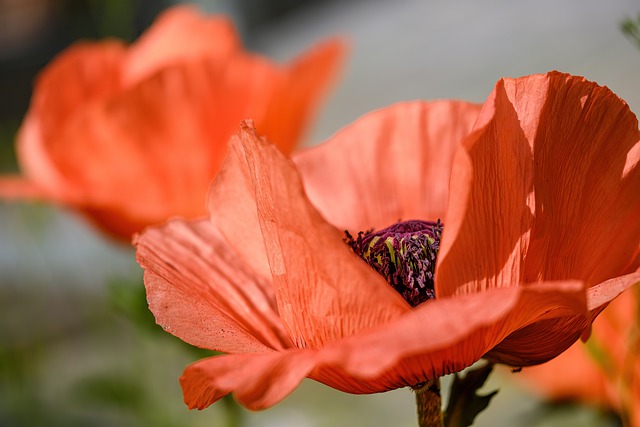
(233, 412)
(429, 404)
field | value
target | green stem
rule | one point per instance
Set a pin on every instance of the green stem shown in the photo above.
(429, 404)
(233, 411)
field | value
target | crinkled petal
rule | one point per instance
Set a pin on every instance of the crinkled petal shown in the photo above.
(392, 164)
(549, 335)
(446, 335)
(592, 372)
(180, 34)
(324, 290)
(544, 340)
(425, 343)
(232, 206)
(200, 290)
(603, 293)
(545, 188)
(258, 381)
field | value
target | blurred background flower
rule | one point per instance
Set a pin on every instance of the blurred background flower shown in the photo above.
(605, 371)
(131, 136)
(69, 357)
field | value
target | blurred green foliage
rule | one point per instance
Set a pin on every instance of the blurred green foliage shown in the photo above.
(130, 300)
(631, 28)
(564, 414)
(8, 129)
(112, 18)
(74, 358)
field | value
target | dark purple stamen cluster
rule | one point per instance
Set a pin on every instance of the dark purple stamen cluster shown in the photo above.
(405, 254)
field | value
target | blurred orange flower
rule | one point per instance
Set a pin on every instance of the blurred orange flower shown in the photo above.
(606, 370)
(539, 210)
(131, 136)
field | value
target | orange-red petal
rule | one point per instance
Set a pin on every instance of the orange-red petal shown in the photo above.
(324, 291)
(592, 376)
(549, 335)
(82, 75)
(601, 294)
(119, 134)
(446, 335)
(16, 188)
(180, 34)
(200, 290)
(571, 375)
(167, 142)
(258, 381)
(389, 165)
(544, 189)
(424, 343)
(297, 92)
(232, 207)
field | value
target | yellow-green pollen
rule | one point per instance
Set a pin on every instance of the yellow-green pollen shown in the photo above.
(405, 254)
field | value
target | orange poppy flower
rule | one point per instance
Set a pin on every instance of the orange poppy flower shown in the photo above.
(131, 136)
(539, 235)
(605, 371)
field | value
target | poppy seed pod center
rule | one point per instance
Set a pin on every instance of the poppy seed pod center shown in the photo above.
(405, 254)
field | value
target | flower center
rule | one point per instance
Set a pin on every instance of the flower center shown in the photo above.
(405, 254)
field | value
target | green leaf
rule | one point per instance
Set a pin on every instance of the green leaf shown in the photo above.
(464, 402)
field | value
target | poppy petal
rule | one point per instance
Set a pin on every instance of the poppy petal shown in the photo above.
(83, 74)
(585, 153)
(164, 145)
(16, 188)
(178, 35)
(424, 343)
(542, 195)
(324, 290)
(390, 165)
(257, 380)
(547, 336)
(601, 363)
(171, 101)
(430, 342)
(600, 295)
(191, 109)
(298, 92)
(199, 290)
(232, 207)
(572, 375)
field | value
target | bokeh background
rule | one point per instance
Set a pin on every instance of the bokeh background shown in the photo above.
(77, 347)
